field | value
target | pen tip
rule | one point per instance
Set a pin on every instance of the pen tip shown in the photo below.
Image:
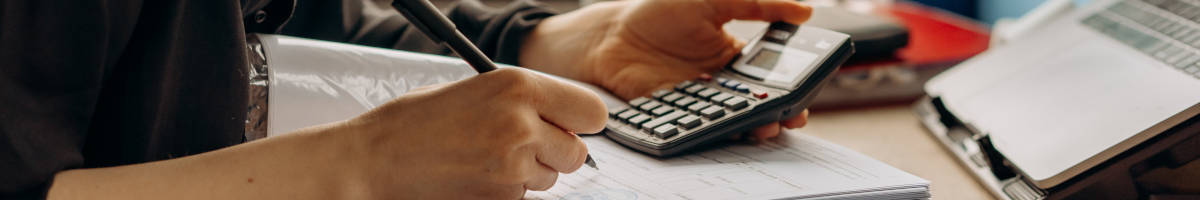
(590, 162)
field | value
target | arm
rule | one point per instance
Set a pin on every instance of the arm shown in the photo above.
(287, 167)
(514, 143)
(498, 32)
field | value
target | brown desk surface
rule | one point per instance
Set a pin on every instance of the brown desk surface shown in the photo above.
(893, 135)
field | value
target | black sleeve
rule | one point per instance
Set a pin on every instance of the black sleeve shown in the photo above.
(87, 84)
(498, 32)
(51, 66)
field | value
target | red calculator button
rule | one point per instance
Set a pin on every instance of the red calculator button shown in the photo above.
(760, 95)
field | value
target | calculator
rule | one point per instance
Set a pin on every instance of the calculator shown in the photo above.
(775, 77)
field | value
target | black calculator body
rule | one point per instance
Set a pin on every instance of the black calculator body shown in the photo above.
(776, 77)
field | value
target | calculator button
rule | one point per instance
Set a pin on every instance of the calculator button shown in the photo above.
(722, 80)
(665, 131)
(638, 101)
(707, 92)
(736, 103)
(672, 97)
(742, 88)
(638, 120)
(731, 84)
(760, 94)
(650, 106)
(666, 119)
(624, 116)
(615, 112)
(698, 106)
(779, 35)
(694, 89)
(684, 85)
(648, 125)
(721, 97)
(660, 93)
(689, 121)
(685, 101)
(713, 112)
(662, 110)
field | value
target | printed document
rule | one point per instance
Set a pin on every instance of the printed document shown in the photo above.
(794, 166)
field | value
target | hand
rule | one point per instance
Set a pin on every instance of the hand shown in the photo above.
(491, 136)
(634, 47)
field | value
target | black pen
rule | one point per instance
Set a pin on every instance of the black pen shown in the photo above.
(423, 15)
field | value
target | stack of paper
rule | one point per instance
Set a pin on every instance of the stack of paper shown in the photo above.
(794, 166)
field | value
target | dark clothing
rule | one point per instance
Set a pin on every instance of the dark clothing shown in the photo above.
(87, 84)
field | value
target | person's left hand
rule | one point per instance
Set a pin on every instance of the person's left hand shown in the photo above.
(634, 47)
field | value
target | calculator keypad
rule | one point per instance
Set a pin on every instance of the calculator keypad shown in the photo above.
(713, 112)
(698, 106)
(707, 92)
(639, 119)
(650, 105)
(685, 101)
(689, 106)
(689, 121)
(721, 97)
(735, 103)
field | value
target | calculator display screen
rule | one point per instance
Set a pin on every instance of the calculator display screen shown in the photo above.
(778, 65)
(765, 59)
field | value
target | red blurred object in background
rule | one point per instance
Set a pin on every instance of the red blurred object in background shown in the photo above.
(938, 36)
(937, 40)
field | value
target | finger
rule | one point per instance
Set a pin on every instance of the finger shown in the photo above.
(429, 87)
(798, 121)
(639, 80)
(560, 150)
(766, 131)
(571, 107)
(737, 42)
(567, 106)
(763, 10)
(543, 179)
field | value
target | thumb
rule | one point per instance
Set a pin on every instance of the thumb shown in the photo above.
(639, 79)
(762, 10)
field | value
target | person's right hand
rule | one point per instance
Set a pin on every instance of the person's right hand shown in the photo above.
(491, 136)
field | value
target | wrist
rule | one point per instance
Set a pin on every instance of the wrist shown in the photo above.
(339, 160)
(320, 162)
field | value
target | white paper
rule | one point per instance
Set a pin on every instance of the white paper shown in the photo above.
(315, 82)
(793, 166)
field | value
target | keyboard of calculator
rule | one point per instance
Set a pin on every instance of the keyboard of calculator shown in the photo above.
(782, 70)
(1164, 29)
(670, 114)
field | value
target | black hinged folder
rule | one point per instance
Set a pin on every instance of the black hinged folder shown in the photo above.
(1087, 107)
